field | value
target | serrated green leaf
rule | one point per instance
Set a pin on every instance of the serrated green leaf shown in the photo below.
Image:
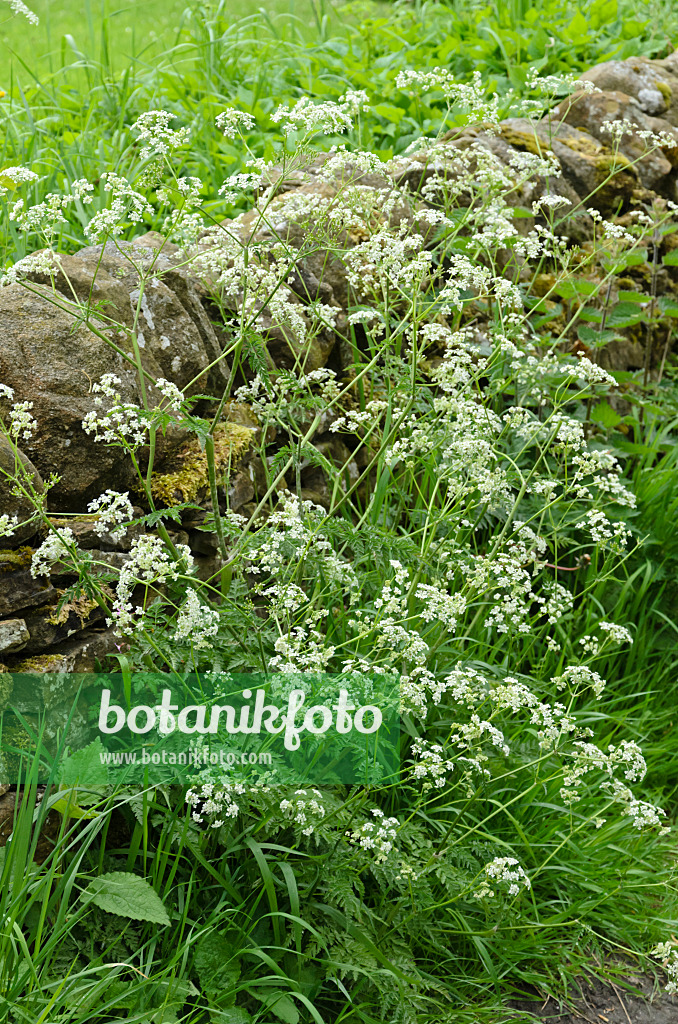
(216, 963)
(604, 414)
(84, 767)
(594, 336)
(570, 289)
(128, 895)
(232, 1015)
(625, 314)
(590, 314)
(278, 1003)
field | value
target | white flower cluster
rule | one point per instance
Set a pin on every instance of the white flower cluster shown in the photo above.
(550, 202)
(21, 422)
(304, 809)
(301, 650)
(196, 623)
(44, 262)
(171, 393)
(377, 835)
(506, 875)
(251, 283)
(574, 677)
(19, 7)
(48, 214)
(232, 122)
(431, 764)
(622, 126)
(586, 757)
(151, 565)
(126, 205)
(604, 532)
(234, 186)
(8, 525)
(468, 95)
(153, 128)
(667, 952)
(355, 420)
(325, 118)
(58, 547)
(216, 802)
(293, 531)
(121, 424)
(388, 259)
(441, 606)
(112, 509)
(616, 634)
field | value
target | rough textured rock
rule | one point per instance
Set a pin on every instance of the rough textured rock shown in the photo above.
(591, 110)
(51, 361)
(84, 653)
(13, 634)
(18, 589)
(12, 504)
(173, 331)
(50, 624)
(586, 163)
(653, 83)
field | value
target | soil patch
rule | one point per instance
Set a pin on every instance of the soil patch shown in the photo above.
(602, 1002)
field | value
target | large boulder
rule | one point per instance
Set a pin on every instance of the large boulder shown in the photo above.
(652, 83)
(174, 334)
(52, 360)
(50, 357)
(15, 502)
(655, 165)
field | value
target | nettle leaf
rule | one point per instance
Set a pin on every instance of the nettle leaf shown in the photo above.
(278, 1003)
(591, 314)
(671, 259)
(128, 895)
(216, 963)
(625, 314)
(595, 336)
(571, 289)
(233, 1015)
(84, 767)
(605, 415)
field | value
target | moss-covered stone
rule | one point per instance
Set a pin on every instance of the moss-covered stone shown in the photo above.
(524, 140)
(665, 89)
(187, 478)
(38, 663)
(18, 559)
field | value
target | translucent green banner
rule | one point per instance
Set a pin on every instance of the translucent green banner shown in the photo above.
(148, 728)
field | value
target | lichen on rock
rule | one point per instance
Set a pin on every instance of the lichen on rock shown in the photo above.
(185, 477)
